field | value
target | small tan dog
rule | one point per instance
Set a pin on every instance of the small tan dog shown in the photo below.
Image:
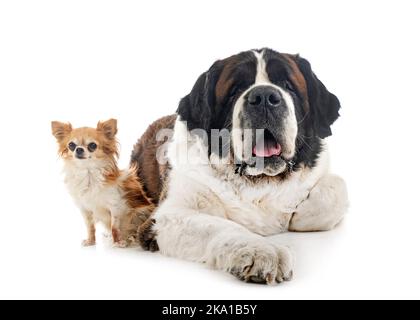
(101, 191)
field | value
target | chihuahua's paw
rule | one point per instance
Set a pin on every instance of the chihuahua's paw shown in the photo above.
(121, 244)
(88, 243)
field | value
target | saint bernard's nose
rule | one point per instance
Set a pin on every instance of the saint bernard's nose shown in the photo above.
(264, 96)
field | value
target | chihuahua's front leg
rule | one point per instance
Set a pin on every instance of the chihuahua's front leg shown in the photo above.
(90, 226)
(117, 236)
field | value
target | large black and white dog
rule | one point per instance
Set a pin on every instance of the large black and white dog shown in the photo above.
(268, 175)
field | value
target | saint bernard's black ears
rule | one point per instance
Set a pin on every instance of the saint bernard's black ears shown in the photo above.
(196, 107)
(323, 105)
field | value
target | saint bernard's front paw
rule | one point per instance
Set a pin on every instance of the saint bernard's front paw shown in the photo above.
(262, 263)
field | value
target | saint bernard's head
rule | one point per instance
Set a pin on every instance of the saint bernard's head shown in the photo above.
(273, 106)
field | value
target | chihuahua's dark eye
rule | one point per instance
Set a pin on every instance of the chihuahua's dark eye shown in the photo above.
(72, 146)
(92, 146)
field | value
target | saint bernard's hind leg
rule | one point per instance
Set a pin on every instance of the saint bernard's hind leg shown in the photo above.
(325, 207)
(147, 236)
(188, 234)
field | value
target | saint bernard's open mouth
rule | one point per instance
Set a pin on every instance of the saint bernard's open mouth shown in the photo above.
(267, 147)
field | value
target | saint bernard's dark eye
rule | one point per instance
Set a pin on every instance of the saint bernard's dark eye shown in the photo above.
(72, 146)
(288, 86)
(92, 146)
(235, 92)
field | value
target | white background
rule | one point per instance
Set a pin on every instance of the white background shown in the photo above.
(82, 61)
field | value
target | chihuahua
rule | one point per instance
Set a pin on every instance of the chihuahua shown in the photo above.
(101, 191)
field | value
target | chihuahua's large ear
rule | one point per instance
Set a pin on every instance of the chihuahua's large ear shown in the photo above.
(196, 107)
(108, 128)
(323, 105)
(60, 130)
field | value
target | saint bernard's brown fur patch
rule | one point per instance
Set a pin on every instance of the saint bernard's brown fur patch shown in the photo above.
(150, 172)
(298, 79)
(225, 80)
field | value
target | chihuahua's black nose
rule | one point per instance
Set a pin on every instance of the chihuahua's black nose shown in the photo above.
(80, 151)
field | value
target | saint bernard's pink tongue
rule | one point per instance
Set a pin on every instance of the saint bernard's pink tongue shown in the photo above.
(267, 150)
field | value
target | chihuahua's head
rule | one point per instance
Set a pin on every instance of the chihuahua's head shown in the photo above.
(83, 145)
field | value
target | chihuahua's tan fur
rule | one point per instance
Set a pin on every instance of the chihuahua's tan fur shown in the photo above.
(101, 191)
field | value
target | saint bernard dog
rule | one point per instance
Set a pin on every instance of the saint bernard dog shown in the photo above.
(245, 159)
